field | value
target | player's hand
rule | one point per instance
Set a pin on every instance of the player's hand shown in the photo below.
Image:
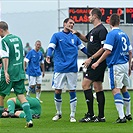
(7, 78)
(43, 74)
(95, 65)
(72, 30)
(87, 62)
(129, 72)
(68, 28)
(48, 59)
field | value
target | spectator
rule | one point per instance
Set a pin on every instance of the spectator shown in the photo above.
(27, 48)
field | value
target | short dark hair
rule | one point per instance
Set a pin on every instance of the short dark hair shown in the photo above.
(38, 41)
(98, 12)
(3, 25)
(67, 19)
(114, 19)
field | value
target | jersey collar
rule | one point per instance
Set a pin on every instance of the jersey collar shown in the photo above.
(115, 28)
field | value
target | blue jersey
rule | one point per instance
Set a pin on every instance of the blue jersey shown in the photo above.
(118, 42)
(34, 59)
(65, 47)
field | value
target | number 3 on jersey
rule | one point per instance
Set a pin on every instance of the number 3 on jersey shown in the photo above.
(124, 48)
(17, 51)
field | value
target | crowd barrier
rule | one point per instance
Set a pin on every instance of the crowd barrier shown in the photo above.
(47, 82)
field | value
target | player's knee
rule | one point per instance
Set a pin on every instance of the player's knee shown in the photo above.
(32, 86)
(57, 95)
(58, 91)
(38, 87)
(12, 99)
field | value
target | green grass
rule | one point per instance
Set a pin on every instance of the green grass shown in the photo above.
(46, 125)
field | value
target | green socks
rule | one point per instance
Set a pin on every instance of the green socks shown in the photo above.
(11, 106)
(26, 109)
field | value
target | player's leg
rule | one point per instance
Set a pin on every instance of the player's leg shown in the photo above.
(127, 103)
(100, 100)
(125, 93)
(86, 85)
(98, 77)
(35, 106)
(119, 105)
(71, 82)
(38, 87)
(26, 109)
(19, 89)
(1, 105)
(20, 114)
(4, 90)
(73, 104)
(58, 85)
(116, 81)
(11, 106)
(32, 84)
(58, 104)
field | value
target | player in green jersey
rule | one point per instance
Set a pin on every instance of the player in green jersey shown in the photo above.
(12, 73)
(15, 109)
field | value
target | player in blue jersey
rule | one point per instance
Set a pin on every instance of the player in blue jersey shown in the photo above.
(94, 39)
(34, 59)
(65, 46)
(118, 54)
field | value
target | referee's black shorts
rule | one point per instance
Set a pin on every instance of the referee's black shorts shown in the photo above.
(97, 74)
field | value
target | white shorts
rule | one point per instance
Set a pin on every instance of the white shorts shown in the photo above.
(118, 76)
(35, 80)
(62, 79)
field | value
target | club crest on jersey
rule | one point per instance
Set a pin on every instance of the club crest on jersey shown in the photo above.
(72, 40)
(91, 38)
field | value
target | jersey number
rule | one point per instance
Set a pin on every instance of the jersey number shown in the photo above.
(17, 51)
(124, 48)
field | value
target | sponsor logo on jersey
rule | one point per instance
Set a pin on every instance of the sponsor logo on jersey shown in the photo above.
(91, 38)
(72, 40)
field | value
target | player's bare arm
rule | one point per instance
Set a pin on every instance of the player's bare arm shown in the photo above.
(5, 64)
(102, 58)
(25, 64)
(97, 54)
(43, 71)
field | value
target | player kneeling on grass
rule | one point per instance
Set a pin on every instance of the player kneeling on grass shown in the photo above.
(15, 110)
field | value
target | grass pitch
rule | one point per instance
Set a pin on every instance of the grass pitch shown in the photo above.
(46, 125)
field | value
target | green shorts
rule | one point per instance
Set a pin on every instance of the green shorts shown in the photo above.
(18, 86)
